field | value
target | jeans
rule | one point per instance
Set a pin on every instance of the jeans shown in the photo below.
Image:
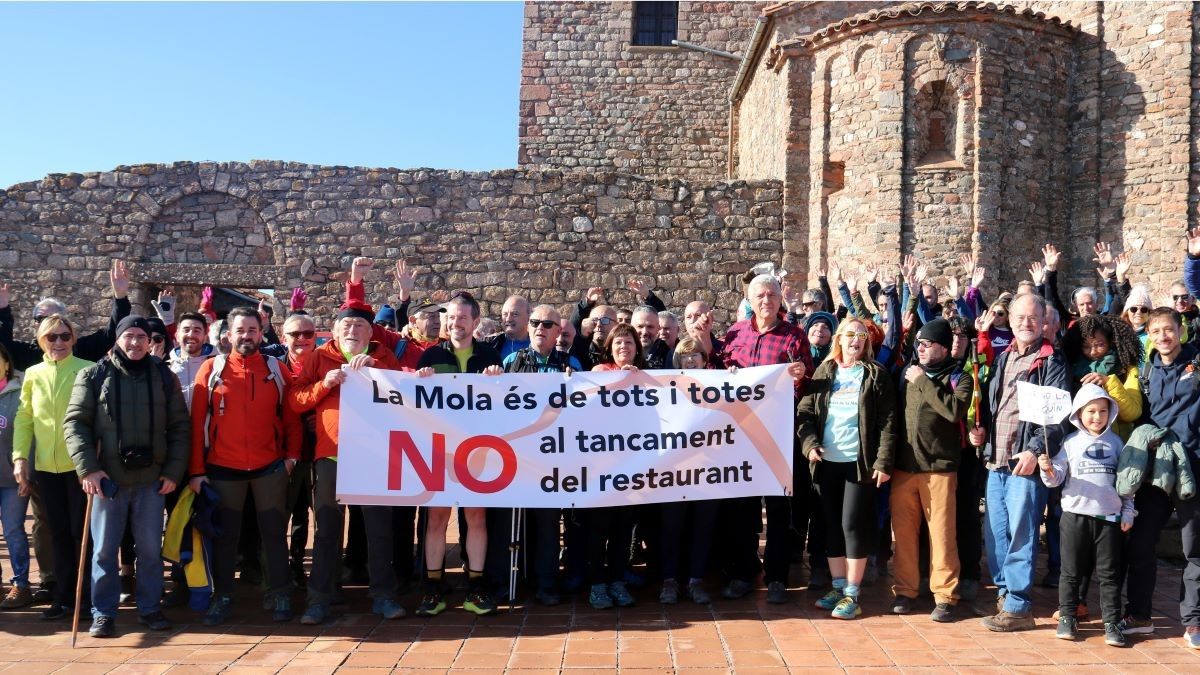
(142, 508)
(12, 518)
(64, 504)
(270, 499)
(1014, 512)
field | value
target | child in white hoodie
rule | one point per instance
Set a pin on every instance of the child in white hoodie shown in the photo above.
(1094, 515)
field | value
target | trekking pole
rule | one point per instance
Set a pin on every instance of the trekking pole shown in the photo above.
(87, 519)
(514, 548)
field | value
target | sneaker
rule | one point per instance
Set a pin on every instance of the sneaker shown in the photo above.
(55, 612)
(1191, 637)
(281, 608)
(218, 610)
(902, 605)
(669, 595)
(620, 594)
(388, 608)
(599, 598)
(1068, 628)
(1113, 637)
(479, 602)
(776, 593)
(968, 590)
(547, 597)
(1008, 622)
(819, 578)
(18, 596)
(432, 603)
(1131, 626)
(847, 608)
(697, 593)
(1051, 579)
(154, 621)
(830, 600)
(103, 627)
(737, 589)
(943, 612)
(126, 597)
(315, 614)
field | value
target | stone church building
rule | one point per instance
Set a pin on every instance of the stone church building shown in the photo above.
(689, 140)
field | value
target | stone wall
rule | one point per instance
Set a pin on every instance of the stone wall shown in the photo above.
(277, 225)
(591, 100)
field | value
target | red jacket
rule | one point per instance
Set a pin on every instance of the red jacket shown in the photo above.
(238, 437)
(387, 337)
(309, 391)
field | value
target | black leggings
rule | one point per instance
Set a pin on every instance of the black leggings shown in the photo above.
(849, 510)
(65, 504)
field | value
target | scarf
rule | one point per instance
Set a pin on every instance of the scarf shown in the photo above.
(1105, 365)
(936, 371)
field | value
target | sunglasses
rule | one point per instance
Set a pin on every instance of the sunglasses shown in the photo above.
(1000, 313)
(856, 334)
(1138, 309)
(59, 337)
(306, 334)
(158, 339)
(1181, 298)
(547, 324)
(604, 320)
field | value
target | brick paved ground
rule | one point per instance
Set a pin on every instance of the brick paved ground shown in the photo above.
(743, 637)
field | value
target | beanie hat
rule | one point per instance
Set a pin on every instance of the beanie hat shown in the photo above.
(356, 309)
(386, 315)
(821, 317)
(133, 321)
(937, 331)
(1139, 296)
(157, 327)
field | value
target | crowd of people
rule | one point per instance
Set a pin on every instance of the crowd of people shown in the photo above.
(910, 448)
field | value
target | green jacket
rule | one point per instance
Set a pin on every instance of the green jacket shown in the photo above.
(934, 411)
(876, 416)
(45, 394)
(152, 414)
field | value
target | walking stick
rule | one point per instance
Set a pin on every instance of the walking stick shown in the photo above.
(514, 548)
(87, 520)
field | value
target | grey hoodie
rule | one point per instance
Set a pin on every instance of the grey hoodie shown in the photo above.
(1087, 465)
(185, 368)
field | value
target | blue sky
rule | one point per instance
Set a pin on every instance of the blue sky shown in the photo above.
(87, 87)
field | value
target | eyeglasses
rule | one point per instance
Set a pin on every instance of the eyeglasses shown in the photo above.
(604, 320)
(306, 334)
(547, 324)
(1182, 298)
(59, 337)
(1000, 312)
(924, 344)
(158, 339)
(856, 334)
(1138, 309)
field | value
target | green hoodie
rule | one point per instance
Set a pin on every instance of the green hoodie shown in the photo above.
(45, 394)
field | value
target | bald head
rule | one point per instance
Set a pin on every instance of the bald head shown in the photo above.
(514, 318)
(603, 319)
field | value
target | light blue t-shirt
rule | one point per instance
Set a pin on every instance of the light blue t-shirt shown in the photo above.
(840, 439)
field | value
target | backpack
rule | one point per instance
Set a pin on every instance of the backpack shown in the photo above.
(214, 379)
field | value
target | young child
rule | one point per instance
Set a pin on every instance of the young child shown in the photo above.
(1094, 515)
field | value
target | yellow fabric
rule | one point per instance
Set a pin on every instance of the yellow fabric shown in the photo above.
(195, 571)
(1128, 395)
(45, 394)
(462, 355)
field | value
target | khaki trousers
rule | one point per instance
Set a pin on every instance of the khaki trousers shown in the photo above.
(929, 497)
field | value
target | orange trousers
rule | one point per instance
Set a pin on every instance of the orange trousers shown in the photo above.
(929, 497)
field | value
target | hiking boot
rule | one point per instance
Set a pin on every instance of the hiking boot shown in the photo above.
(902, 605)
(1132, 626)
(1191, 637)
(547, 597)
(847, 608)
(830, 600)
(18, 597)
(1068, 628)
(103, 627)
(432, 603)
(943, 612)
(1008, 622)
(776, 593)
(1113, 637)
(620, 594)
(669, 595)
(218, 610)
(599, 598)
(388, 608)
(479, 601)
(737, 589)
(281, 607)
(154, 621)
(315, 615)
(697, 593)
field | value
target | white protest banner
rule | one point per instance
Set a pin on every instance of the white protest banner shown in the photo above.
(1042, 405)
(552, 440)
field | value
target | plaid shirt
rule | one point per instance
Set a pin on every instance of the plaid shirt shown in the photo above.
(744, 347)
(1007, 422)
